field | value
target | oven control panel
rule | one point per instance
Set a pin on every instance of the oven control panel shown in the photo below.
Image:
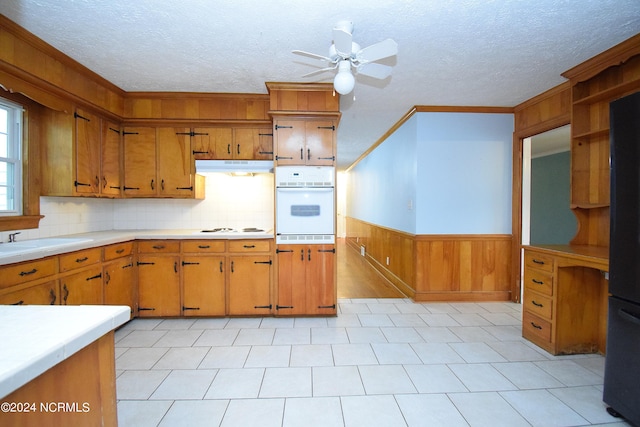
(305, 176)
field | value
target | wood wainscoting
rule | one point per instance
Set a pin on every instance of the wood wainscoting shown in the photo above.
(470, 267)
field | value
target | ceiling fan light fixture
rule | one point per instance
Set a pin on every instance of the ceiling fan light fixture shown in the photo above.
(344, 81)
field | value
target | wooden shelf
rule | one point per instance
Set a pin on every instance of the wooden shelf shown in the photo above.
(579, 205)
(586, 136)
(610, 93)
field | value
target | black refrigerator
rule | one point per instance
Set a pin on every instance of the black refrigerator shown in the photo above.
(622, 361)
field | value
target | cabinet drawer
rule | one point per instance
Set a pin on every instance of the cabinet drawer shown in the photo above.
(538, 260)
(263, 245)
(159, 246)
(204, 246)
(118, 250)
(538, 281)
(19, 273)
(538, 304)
(534, 326)
(79, 259)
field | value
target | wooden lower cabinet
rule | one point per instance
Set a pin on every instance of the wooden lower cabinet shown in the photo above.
(249, 285)
(564, 303)
(46, 293)
(119, 283)
(158, 285)
(306, 280)
(203, 285)
(83, 287)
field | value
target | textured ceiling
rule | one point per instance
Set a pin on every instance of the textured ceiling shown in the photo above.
(451, 52)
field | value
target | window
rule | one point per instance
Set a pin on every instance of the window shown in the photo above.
(10, 158)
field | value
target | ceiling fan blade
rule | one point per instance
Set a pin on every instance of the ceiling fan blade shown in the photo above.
(313, 73)
(377, 71)
(378, 51)
(342, 41)
(311, 55)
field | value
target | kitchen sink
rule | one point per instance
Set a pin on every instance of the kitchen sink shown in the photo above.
(16, 248)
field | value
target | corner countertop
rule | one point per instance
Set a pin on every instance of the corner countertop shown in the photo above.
(35, 338)
(102, 238)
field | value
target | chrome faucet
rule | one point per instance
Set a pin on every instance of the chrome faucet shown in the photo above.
(12, 236)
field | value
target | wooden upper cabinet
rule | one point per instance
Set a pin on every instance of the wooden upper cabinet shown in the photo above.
(158, 162)
(253, 143)
(87, 139)
(305, 141)
(81, 155)
(175, 164)
(228, 143)
(110, 180)
(139, 153)
(206, 142)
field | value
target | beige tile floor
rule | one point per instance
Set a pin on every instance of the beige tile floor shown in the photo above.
(381, 362)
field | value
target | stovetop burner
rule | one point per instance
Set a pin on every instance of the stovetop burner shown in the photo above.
(233, 230)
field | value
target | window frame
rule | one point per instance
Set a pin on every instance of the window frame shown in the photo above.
(14, 156)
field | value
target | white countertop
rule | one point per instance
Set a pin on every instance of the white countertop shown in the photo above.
(35, 338)
(102, 238)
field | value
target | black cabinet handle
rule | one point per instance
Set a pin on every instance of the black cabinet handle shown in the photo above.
(190, 263)
(537, 282)
(537, 304)
(537, 261)
(249, 246)
(263, 262)
(52, 297)
(263, 306)
(81, 184)
(301, 154)
(80, 260)
(536, 326)
(190, 308)
(28, 273)
(327, 306)
(221, 266)
(97, 276)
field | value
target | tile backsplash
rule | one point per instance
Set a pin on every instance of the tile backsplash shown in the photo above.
(230, 201)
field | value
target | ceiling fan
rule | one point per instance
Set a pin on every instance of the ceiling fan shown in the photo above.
(345, 54)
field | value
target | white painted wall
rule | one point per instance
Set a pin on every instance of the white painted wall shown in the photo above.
(439, 173)
(381, 188)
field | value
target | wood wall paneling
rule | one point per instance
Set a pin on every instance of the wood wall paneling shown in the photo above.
(437, 267)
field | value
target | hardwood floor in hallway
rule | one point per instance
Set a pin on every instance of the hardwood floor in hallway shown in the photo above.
(357, 279)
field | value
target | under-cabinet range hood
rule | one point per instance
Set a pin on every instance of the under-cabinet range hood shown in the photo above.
(234, 166)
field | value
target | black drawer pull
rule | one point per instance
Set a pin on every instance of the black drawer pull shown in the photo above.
(204, 246)
(538, 261)
(327, 306)
(536, 326)
(278, 307)
(28, 273)
(263, 306)
(79, 260)
(263, 262)
(537, 304)
(158, 246)
(249, 246)
(97, 276)
(537, 282)
(119, 251)
(18, 303)
(190, 308)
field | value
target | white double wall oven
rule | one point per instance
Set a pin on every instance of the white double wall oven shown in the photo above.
(305, 204)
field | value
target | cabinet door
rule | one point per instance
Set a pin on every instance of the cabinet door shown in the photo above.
(291, 280)
(289, 139)
(203, 283)
(42, 294)
(249, 285)
(320, 279)
(139, 161)
(110, 161)
(222, 141)
(88, 129)
(119, 283)
(206, 141)
(84, 287)
(320, 142)
(175, 165)
(158, 286)
(253, 144)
